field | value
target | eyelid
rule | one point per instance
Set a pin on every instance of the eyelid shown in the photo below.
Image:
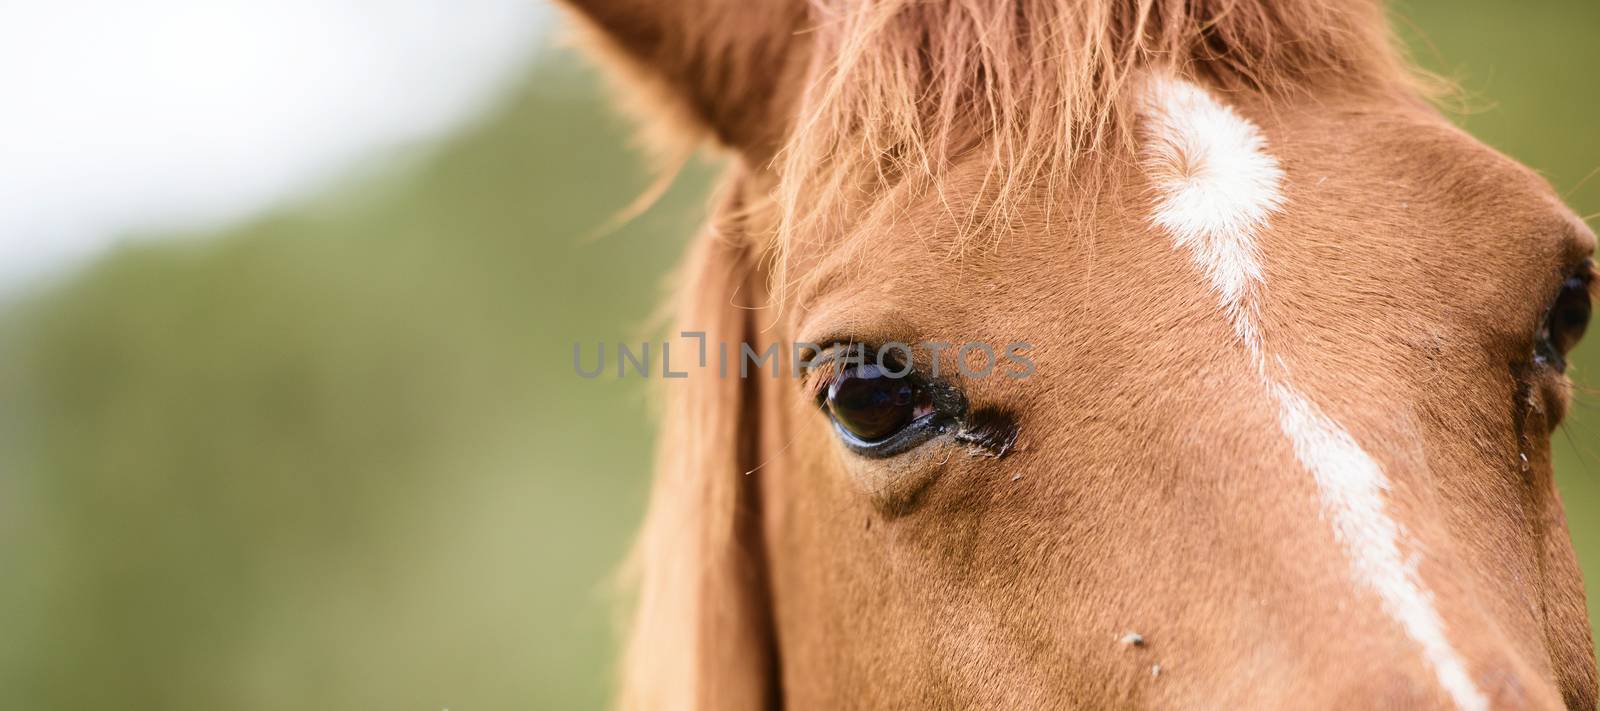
(819, 378)
(1583, 271)
(828, 367)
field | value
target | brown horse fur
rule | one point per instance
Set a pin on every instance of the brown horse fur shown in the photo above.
(969, 170)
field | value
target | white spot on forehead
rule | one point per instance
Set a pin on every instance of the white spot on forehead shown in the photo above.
(1216, 189)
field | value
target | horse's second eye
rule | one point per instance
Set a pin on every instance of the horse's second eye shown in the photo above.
(873, 405)
(1567, 320)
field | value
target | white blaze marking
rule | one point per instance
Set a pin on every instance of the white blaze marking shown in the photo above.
(1352, 487)
(1216, 189)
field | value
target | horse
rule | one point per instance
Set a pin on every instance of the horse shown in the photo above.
(1290, 348)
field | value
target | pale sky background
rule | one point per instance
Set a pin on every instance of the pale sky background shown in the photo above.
(120, 116)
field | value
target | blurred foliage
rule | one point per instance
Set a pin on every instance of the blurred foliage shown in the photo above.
(337, 457)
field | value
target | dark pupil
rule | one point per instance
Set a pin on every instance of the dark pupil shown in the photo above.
(870, 404)
(1570, 317)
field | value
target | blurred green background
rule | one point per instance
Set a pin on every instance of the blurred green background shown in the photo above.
(337, 458)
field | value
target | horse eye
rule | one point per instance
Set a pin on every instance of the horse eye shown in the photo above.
(873, 405)
(1568, 318)
(881, 413)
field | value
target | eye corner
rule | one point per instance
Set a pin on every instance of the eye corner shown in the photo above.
(990, 431)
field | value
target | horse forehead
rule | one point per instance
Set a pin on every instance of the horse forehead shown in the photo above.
(1216, 190)
(1388, 181)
